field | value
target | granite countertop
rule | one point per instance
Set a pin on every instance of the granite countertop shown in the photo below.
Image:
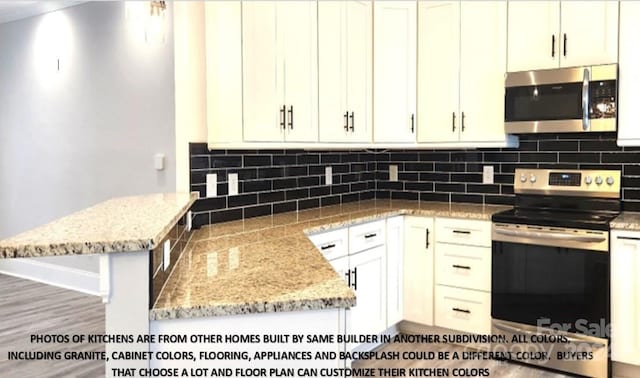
(627, 220)
(126, 224)
(268, 264)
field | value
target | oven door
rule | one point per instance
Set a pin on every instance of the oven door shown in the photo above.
(543, 281)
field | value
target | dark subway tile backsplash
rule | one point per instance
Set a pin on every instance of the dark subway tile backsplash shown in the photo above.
(276, 181)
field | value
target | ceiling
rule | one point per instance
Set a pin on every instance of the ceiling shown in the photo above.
(15, 10)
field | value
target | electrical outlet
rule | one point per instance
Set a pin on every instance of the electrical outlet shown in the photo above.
(212, 185)
(393, 172)
(328, 176)
(166, 254)
(233, 184)
(487, 174)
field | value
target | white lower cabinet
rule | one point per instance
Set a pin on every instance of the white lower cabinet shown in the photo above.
(463, 310)
(395, 270)
(463, 275)
(625, 297)
(418, 269)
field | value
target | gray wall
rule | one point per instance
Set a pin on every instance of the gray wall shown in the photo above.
(73, 138)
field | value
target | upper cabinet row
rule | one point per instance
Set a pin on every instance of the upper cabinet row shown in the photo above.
(368, 73)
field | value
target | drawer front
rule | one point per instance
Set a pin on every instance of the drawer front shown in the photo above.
(332, 244)
(366, 236)
(463, 310)
(463, 266)
(463, 231)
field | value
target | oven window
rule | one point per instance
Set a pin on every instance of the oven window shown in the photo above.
(543, 102)
(557, 286)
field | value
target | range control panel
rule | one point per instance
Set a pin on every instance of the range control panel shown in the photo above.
(585, 183)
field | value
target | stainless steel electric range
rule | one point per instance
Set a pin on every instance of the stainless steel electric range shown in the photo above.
(550, 269)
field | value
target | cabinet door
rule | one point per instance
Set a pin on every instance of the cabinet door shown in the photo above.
(395, 250)
(223, 20)
(438, 73)
(297, 28)
(483, 41)
(368, 275)
(628, 132)
(261, 91)
(359, 69)
(625, 297)
(332, 71)
(394, 72)
(533, 35)
(418, 270)
(591, 32)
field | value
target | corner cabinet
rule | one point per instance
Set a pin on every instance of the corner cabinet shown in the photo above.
(628, 97)
(418, 269)
(461, 66)
(280, 72)
(552, 34)
(394, 72)
(625, 297)
(345, 67)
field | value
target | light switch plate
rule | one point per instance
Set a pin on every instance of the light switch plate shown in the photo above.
(233, 184)
(328, 176)
(158, 162)
(487, 174)
(393, 172)
(212, 185)
(166, 254)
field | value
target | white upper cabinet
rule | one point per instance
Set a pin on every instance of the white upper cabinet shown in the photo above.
(223, 36)
(552, 34)
(628, 98)
(533, 35)
(461, 67)
(438, 71)
(345, 70)
(394, 77)
(280, 71)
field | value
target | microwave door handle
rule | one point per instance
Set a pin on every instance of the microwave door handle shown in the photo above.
(585, 100)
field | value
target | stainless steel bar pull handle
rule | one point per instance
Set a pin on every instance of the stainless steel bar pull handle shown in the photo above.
(355, 278)
(346, 121)
(413, 123)
(628, 238)
(291, 117)
(353, 122)
(462, 122)
(564, 48)
(553, 45)
(551, 235)
(453, 121)
(426, 245)
(585, 99)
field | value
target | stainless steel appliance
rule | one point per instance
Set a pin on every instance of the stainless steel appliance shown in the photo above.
(578, 99)
(550, 269)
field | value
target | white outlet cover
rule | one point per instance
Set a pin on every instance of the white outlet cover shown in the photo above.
(158, 162)
(212, 185)
(166, 254)
(393, 172)
(328, 176)
(487, 174)
(233, 184)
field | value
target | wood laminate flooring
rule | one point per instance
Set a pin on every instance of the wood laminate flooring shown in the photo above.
(28, 307)
(497, 369)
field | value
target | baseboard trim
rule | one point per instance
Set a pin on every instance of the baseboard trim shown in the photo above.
(52, 274)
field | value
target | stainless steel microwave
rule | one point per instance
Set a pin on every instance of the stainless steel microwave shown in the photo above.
(577, 99)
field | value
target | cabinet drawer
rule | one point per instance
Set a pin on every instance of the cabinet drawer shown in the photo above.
(332, 244)
(365, 236)
(463, 231)
(463, 310)
(463, 266)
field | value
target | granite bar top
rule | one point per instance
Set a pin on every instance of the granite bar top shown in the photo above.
(627, 220)
(268, 264)
(126, 224)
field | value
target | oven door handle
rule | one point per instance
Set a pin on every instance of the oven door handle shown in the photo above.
(551, 235)
(520, 331)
